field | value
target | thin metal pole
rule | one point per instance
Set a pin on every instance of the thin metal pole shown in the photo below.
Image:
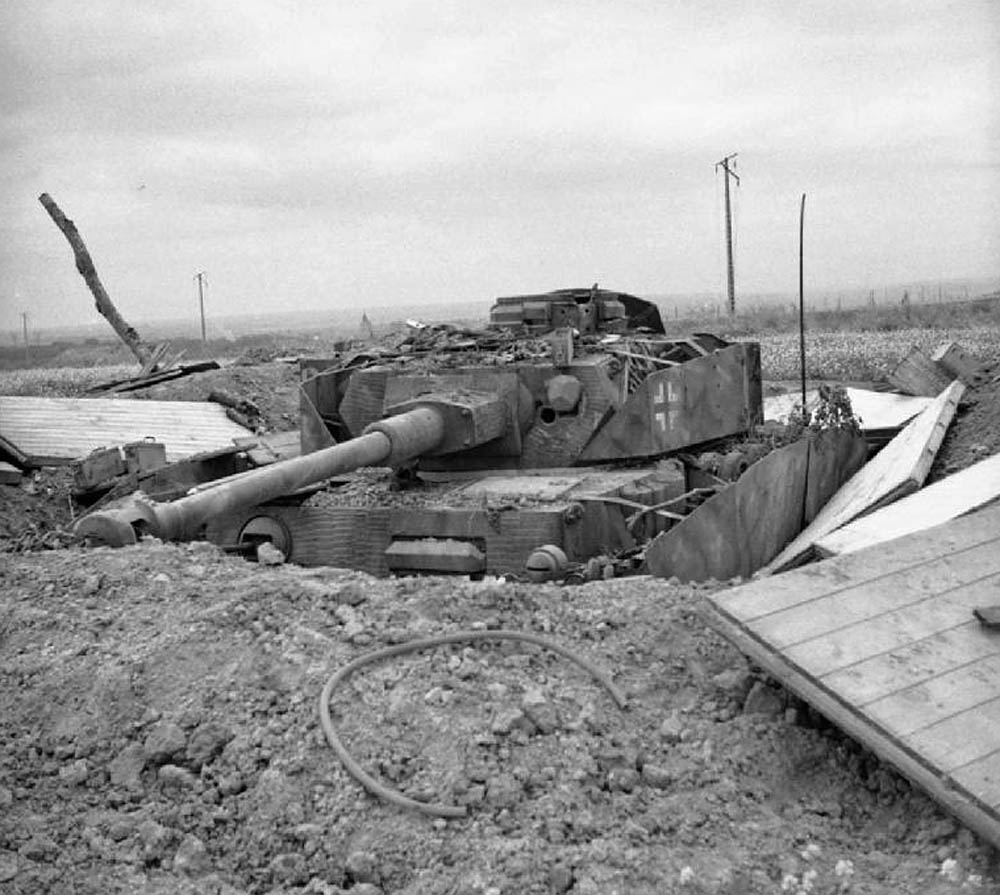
(201, 301)
(730, 276)
(27, 348)
(802, 312)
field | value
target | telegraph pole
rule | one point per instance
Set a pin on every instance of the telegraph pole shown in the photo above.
(731, 280)
(24, 326)
(202, 280)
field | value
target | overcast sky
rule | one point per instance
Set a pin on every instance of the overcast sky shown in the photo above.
(340, 155)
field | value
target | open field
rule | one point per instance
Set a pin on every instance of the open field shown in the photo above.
(862, 356)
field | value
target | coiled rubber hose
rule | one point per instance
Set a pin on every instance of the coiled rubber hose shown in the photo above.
(391, 795)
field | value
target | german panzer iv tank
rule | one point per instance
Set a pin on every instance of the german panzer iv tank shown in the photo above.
(547, 439)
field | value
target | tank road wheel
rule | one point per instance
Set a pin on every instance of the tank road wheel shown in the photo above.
(733, 465)
(546, 563)
(266, 529)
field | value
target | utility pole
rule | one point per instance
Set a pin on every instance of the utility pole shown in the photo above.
(802, 301)
(24, 326)
(731, 280)
(202, 281)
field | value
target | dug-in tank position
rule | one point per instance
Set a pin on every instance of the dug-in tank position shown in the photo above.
(548, 438)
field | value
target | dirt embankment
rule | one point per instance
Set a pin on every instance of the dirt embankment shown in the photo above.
(158, 706)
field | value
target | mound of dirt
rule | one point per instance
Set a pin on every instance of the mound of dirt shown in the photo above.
(974, 434)
(159, 713)
(273, 388)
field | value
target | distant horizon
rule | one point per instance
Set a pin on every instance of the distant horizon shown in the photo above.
(233, 325)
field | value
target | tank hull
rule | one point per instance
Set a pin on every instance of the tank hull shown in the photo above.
(490, 523)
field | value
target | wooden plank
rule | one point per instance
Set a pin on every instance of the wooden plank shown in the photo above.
(777, 592)
(868, 601)
(953, 496)
(936, 698)
(831, 650)
(168, 373)
(896, 658)
(900, 467)
(982, 780)
(917, 374)
(914, 663)
(154, 359)
(961, 739)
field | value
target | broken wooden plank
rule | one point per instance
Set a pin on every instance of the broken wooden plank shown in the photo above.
(56, 431)
(917, 374)
(882, 641)
(153, 364)
(898, 469)
(953, 496)
(134, 384)
(954, 360)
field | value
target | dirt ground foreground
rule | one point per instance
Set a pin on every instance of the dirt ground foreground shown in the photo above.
(158, 714)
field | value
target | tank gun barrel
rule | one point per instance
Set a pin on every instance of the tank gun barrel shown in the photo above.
(425, 427)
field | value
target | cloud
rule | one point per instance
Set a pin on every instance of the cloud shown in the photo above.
(402, 146)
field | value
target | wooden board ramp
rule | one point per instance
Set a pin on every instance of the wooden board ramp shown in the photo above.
(897, 470)
(883, 642)
(947, 498)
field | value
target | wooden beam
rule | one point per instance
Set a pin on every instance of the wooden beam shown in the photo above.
(946, 499)
(85, 265)
(917, 374)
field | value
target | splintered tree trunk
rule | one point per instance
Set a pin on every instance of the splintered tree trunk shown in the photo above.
(85, 265)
